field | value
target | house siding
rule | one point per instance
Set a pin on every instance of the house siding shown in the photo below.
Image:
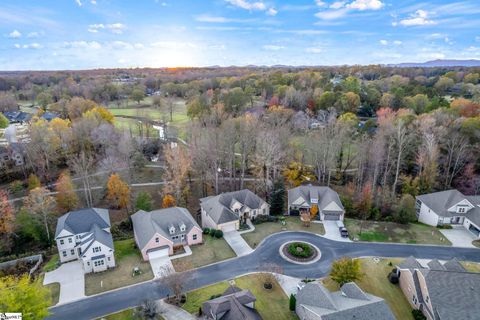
(427, 216)
(195, 231)
(152, 244)
(88, 263)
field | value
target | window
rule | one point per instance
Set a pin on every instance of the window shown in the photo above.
(72, 252)
(175, 237)
(61, 241)
(264, 211)
(97, 249)
(69, 240)
(157, 240)
(108, 258)
(183, 236)
(427, 299)
(64, 253)
(172, 230)
(88, 263)
(182, 227)
(414, 299)
(194, 237)
(461, 209)
(98, 263)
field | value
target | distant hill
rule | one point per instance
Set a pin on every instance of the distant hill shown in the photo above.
(439, 63)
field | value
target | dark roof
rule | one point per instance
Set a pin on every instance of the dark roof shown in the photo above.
(410, 263)
(81, 221)
(49, 116)
(17, 116)
(324, 196)
(233, 303)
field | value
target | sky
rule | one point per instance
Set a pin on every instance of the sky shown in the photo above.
(87, 34)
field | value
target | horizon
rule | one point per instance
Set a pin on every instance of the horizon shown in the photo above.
(99, 34)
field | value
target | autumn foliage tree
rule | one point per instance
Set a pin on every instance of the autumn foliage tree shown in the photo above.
(346, 270)
(33, 182)
(168, 201)
(118, 192)
(7, 220)
(67, 198)
(42, 205)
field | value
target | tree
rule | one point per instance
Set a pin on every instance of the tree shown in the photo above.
(143, 201)
(3, 121)
(176, 281)
(270, 273)
(7, 220)
(277, 198)
(39, 203)
(33, 182)
(147, 310)
(313, 212)
(118, 191)
(44, 99)
(168, 201)
(20, 294)
(292, 302)
(66, 197)
(178, 163)
(405, 210)
(137, 95)
(346, 270)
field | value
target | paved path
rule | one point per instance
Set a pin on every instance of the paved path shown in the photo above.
(267, 251)
(459, 236)
(72, 281)
(332, 232)
(238, 244)
(170, 312)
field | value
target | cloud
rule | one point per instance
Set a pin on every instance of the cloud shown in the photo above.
(320, 3)
(16, 45)
(337, 5)
(331, 14)
(219, 19)
(253, 6)
(94, 2)
(397, 42)
(273, 47)
(314, 50)
(173, 45)
(419, 18)
(477, 39)
(272, 12)
(363, 5)
(93, 28)
(15, 34)
(34, 34)
(116, 28)
(32, 46)
(79, 3)
(82, 44)
(384, 42)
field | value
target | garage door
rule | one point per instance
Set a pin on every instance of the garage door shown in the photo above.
(331, 217)
(229, 227)
(160, 252)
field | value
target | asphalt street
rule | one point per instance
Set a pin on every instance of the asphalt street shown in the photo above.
(267, 252)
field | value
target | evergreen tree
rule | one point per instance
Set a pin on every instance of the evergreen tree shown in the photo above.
(277, 198)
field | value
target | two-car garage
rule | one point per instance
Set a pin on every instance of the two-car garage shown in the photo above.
(160, 261)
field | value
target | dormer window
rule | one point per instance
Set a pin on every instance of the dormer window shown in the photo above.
(182, 227)
(172, 230)
(461, 209)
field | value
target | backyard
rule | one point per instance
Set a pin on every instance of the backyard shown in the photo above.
(379, 231)
(127, 257)
(375, 282)
(271, 304)
(211, 251)
(54, 288)
(267, 228)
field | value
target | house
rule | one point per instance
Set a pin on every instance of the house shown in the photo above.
(17, 116)
(158, 232)
(449, 207)
(440, 290)
(12, 156)
(302, 198)
(228, 210)
(315, 302)
(233, 304)
(85, 235)
(49, 116)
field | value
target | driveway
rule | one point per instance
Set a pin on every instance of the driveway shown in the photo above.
(238, 244)
(71, 278)
(459, 237)
(161, 267)
(332, 232)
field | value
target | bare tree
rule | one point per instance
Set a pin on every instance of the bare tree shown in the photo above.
(82, 165)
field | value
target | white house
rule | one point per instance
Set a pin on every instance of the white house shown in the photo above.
(227, 211)
(450, 207)
(85, 235)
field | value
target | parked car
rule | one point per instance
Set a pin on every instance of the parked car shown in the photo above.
(341, 228)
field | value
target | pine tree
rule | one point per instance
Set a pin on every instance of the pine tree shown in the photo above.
(277, 198)
(143, 201)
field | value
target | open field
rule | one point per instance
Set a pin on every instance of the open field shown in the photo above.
(271, 304)
(127, 257)
(379, 231)
(375, 282)
(265, 229)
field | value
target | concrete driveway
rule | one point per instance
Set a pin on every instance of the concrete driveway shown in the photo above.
(161, 267)
(459, 237)
(332, 232)
(71, 278)
(238, 244)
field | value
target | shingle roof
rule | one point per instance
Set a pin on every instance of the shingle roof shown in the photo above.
(81, 221)
(410, 263)
(147, 224)
(233, 303)
(325, 195)
(218, 207)
(351, 303)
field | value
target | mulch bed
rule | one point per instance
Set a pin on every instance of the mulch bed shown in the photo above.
(298, 259)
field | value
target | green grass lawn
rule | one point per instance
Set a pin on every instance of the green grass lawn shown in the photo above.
(51, 264)
(271, 304)
(128, 314)
(375, 282)
(265, 229)
(212, 250)
(471, 266)
(126, 258)
(476, 243)
(379, 231)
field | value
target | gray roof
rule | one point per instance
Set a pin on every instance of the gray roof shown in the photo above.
(218, 207)
(410, 263)
(454, 293)
(81, 221)
(233, 305)
(325, 195)
(441, 201)
(147, 224)
(349, 303)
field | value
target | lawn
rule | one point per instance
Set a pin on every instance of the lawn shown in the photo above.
(54, 290)
(51, 264)
(267, 228)
(128, 314)
(471, 266)
(212, 250)
(379, 231)
(151, 113)
(476, 243)
(271, 304)
(126, 257)
(375, 282)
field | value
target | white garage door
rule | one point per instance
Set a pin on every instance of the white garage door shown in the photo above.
(158, 253)
(229, 227)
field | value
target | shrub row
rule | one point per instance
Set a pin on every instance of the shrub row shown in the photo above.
(213, 232)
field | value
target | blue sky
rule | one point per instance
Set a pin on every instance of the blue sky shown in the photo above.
(80, 34)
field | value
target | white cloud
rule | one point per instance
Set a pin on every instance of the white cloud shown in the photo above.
(32, 46)
(173, 45)
(320, 3)
(384, 42)
(331, 14)
(138, 46)
(116, 28)
(248, 5)
(337, 5)
(79, 3)
(314, 50)
(121, 45)
(33, 35)
(366, 5)
(273, 47)
(82, 44)
(397, 42)
(220, 19)
(93, 28)
(272, 12)
(419, 18)
(15, 34)
(94, 2)
(16, 45)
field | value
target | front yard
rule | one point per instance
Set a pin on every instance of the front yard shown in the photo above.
(265, 229)
(375, 282)
(212, 250)
(127, 257)
(379, 231)
(128, 314)
(271, 304)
